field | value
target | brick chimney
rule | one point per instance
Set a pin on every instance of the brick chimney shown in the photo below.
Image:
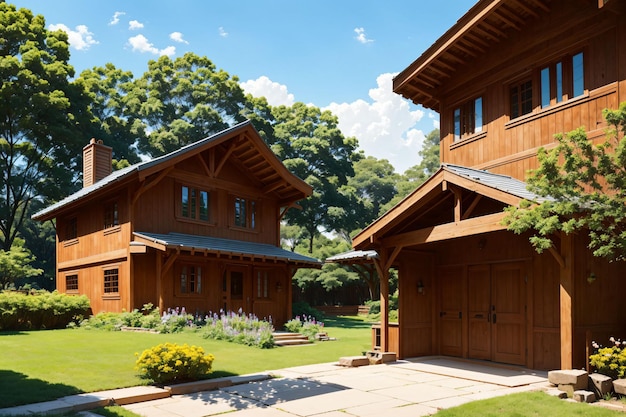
(96, 162)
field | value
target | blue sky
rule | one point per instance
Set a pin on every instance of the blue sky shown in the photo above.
(339, 55)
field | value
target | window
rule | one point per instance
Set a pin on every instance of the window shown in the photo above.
(71, 229)
(262, 284)
(194, 203)
(190, 279)
(468, 119)
(71, 283)
(244, 214)
(562, 80)
(111, 216)
(111, 281)
(521, 96)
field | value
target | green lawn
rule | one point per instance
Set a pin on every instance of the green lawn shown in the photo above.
(44, 365)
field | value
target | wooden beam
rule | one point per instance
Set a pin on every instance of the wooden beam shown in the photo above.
(146, 186)
(207, 171)
(472, 206)
(566, 296)
(229, 151)
(469, 227)
(119, 254)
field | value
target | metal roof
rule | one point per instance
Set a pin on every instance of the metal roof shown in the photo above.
(499, 182)
(226, 247)
(353, 255)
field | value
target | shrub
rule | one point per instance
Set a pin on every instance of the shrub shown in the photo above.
(40, 310)
(308, 326)
(169, 362)
(303, 309)
(239, 328)
(610, 360)
(172, 320)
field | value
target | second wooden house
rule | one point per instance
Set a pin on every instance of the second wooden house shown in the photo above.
(197, 228)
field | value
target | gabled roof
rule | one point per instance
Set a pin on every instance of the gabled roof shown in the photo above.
(242, 144)
(484, 26)
(352, 256)
(223, 247)
(481, 198)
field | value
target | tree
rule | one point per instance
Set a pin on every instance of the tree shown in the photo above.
(313, 148)
(416, 175)
(581, 186)
(15, 264)
(39, 122)
(106, 91)
(179, 102)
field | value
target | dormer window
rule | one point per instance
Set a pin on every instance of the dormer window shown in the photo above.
(468, 119)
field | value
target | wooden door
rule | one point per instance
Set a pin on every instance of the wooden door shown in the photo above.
(508, 299)
(451, 311)
(233, 289)
(478, 312)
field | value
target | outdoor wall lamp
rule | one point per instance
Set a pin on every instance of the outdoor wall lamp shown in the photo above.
(279, 287)
(591, 278)
(420, 287)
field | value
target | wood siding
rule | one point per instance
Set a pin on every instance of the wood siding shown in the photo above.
(509, 146)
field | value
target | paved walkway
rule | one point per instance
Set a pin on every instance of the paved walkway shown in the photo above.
(415, 387)
(404, 388)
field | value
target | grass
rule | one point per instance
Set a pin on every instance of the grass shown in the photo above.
(44, 365)
(528, 404)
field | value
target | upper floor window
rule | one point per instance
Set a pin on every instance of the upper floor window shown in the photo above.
(559, 81)
(244, 213)
(190, 279)
(111, 216)
(194, 203)
(71, 229)
(521, 98)
(468, 119)
(111, 281)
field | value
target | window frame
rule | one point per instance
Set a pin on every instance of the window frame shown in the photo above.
(193, 210)
(71, 229)
(250, 219)
(192, 288)
(111, 216)
(74, 276)
(468, 119)
(107, 271)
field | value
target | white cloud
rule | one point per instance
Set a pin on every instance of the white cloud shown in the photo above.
(385, 127)
(222, 32)
(80, 39)
(177, 37)
(275, 93)
(361, 36)
(134, 25)
(141, 44)
(116, 18)
(435, 118)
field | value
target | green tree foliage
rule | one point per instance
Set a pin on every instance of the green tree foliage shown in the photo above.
(15, 264)
(38, 120)
(312, 147)
(582, 186)
(418, 174)
(178, 102)
(106, 91)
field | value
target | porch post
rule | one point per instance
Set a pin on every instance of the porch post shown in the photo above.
(159, 278)
(383, 273)
(566, 304)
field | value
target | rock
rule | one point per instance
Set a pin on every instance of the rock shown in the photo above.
(584, 396)
(600, 384)
(568, 389)
(575, 377)
(619, 385)
(557, 393)
(353, 361)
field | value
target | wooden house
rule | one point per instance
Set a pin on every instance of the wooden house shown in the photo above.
(506, 78)
(197, 228)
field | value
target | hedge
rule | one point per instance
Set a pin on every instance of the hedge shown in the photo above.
(40, 310)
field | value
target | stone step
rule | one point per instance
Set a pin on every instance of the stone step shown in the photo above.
(290, 339)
